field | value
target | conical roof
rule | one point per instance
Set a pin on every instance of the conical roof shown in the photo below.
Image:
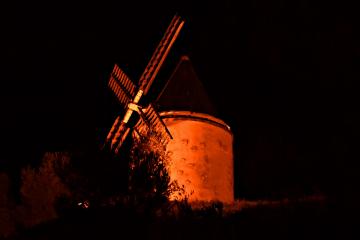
(184, 91)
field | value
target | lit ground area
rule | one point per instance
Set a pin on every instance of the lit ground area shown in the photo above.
(305, 219)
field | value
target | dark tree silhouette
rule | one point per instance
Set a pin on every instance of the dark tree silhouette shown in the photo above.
(95, 176)
(150, 185)
(40, 190)
(7, 223)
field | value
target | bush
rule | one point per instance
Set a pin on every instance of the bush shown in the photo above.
(149, 181)
(40, 190)
(7, 223)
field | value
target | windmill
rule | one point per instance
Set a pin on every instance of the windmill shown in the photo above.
(201, 149)
(129, 95)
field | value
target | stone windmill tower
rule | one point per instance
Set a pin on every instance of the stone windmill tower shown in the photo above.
(201, 148)
(199, 144)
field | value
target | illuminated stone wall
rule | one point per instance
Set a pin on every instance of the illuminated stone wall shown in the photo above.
(201, 155)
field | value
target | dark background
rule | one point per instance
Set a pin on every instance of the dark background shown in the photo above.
(283, 74)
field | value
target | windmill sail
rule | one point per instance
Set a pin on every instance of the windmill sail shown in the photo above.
(113, 131)
(124, 80)
(150, 122)
(160, 54)
(125, 91)
(122, 86)
(120, 136)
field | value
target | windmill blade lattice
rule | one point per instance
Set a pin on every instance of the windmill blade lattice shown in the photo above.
(129, 96)
(150, 122)
(122, 86)
(160, 54)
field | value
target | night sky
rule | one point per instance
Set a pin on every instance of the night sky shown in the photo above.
(283, 74)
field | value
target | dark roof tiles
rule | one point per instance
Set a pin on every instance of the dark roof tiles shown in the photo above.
(184, 91)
